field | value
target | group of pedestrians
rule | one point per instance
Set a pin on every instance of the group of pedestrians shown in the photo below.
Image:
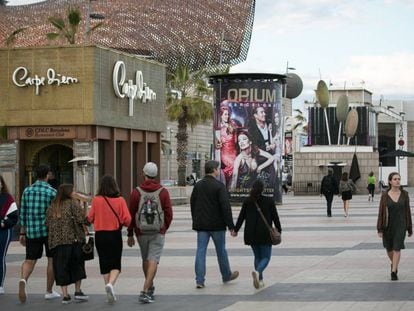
(50, 221)
(55, 222)
(394, 216)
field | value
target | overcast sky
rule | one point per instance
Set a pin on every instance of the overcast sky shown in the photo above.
(355, 41)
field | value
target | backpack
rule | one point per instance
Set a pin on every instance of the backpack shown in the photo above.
(150, 215)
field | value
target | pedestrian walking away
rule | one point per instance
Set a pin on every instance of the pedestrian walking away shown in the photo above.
(211, 214)
(35, 201)
(8, 218)
(329, 187)
(109, 213)
(371, 186)
(256, 232)
(394, 220)
(346, 188)
(66, 224)
(151, 210)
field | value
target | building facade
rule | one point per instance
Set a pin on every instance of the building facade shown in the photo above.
(102, 108)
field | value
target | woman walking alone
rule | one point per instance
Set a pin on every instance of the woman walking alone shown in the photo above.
(394, 220)
(346, 188)
(8, 218)
(256, 233)
(108, 214)
(65, 242)
(371, 186)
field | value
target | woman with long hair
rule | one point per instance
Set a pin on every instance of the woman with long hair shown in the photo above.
(63, 215)
(346, 188)
(256, 233)
(226, 142)
(108, 213)
(8, 218)
(394, 220)
(250, 163)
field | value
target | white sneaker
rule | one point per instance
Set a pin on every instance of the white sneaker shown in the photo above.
(110, 293)
(22, 291)
(52, 295)
(1, 290)
(261, 284)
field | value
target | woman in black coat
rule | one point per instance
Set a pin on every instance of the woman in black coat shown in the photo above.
(256, 233)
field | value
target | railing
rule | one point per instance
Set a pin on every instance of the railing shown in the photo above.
(306, 187)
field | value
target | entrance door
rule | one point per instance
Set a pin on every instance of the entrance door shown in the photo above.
(57, 157)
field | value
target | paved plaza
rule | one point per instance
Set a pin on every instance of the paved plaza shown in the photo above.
(323, 263)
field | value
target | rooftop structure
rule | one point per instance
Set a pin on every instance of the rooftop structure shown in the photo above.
(197, 33)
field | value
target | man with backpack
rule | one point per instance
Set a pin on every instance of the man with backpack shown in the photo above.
(151, 211)
(329, 187)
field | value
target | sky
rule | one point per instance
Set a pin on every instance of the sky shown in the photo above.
(350, 43)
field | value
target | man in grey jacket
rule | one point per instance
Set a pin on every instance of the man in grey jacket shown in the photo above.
(211, 214)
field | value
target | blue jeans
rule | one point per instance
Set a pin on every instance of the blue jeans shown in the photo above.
(262, 255)
(219, 239)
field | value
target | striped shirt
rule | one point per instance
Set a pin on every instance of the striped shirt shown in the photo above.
(35, 200)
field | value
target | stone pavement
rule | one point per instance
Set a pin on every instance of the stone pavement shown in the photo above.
(323, 263)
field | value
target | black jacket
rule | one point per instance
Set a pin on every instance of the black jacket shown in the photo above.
(210, 206)
(255, 230)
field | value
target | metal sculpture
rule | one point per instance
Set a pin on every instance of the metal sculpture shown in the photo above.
(342, 108)
(322, 94)
(208, 33)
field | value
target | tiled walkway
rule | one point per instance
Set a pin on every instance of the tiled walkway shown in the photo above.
(323, 263)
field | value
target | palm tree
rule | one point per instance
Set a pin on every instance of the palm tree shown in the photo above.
(188, 105)
(69, 30)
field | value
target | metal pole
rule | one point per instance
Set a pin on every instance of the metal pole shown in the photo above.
(87, 22)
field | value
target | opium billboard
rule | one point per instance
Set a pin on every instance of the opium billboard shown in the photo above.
(248, 132)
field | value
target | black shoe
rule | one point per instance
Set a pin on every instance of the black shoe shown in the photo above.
(151, 292)
(80, 296)
(66, 300)
(394, 276)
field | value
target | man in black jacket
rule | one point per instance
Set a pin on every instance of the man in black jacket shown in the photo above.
(211, 214)
(329, 187)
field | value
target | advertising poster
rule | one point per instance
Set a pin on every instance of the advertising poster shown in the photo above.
(248, 136)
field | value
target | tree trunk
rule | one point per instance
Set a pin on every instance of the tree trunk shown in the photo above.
(182, 144)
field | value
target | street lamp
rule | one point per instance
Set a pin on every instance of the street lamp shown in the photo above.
(170, 131)
(90, 16)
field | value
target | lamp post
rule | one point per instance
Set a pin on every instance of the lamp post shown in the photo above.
(90, 16)
(170, 131)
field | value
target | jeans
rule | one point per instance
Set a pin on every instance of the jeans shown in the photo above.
(329, 199)
(219, 239)
(262, 255)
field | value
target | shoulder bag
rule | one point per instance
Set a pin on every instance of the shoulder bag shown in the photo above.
(275, 235)
(113, 211)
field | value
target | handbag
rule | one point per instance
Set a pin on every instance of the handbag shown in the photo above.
(87, 247)
(275, 235)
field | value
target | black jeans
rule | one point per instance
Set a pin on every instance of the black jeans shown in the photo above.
(329, 198)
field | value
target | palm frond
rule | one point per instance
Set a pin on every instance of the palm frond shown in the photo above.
(52, 35)
(12, 37)
(57, 22)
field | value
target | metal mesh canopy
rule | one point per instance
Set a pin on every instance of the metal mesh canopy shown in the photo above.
(199, 33)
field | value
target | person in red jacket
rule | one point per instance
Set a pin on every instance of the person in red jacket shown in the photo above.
(151, 211)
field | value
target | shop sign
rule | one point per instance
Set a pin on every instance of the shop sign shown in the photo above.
(130, 89)
(47, 132)
(21, 78)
